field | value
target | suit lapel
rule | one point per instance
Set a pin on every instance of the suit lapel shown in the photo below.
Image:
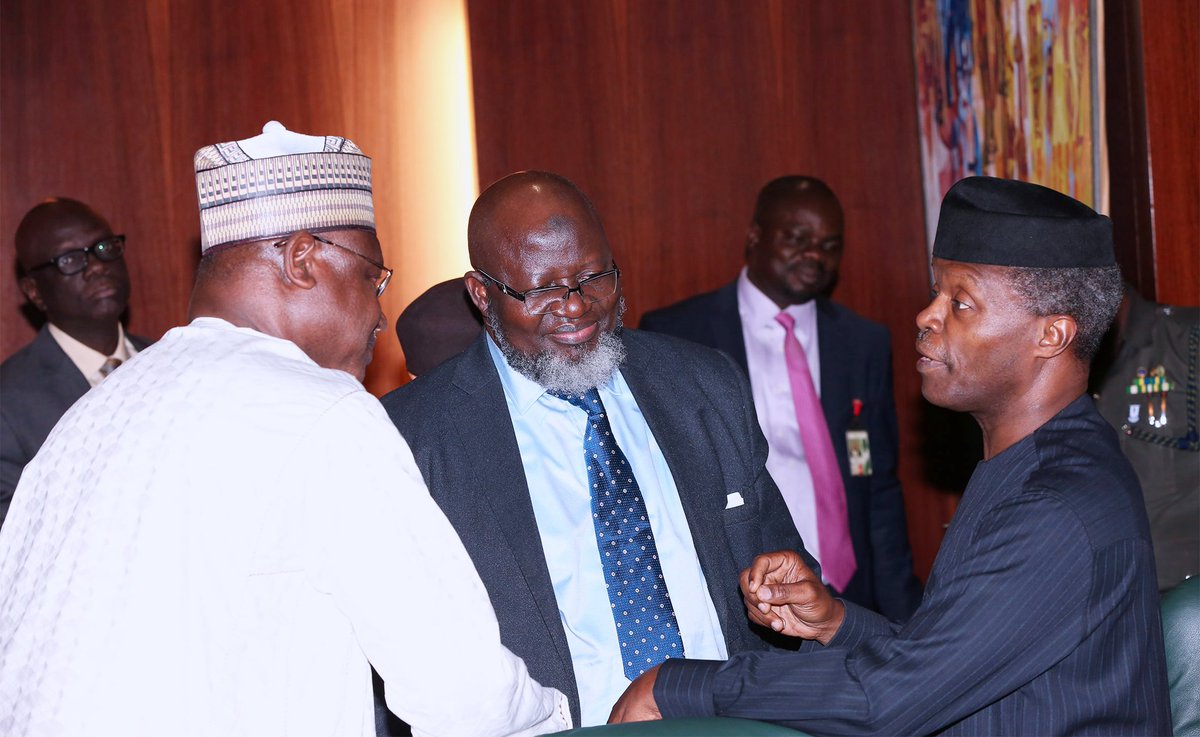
(490, 450)
(834, 346)
(63, 376)
(727, 325)
(682, 436)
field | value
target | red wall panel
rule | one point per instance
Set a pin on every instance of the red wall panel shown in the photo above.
(1171, 58)
(670, 114)
(107, 102)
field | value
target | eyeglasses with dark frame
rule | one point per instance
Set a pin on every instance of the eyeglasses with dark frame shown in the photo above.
(540, 300)
(109, 248)
(385, 274)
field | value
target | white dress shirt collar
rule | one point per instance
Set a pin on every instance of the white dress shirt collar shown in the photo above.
(87, 359)
(757, 308)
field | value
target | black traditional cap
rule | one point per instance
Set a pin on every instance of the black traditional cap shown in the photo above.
(985, 220)
(438, 325)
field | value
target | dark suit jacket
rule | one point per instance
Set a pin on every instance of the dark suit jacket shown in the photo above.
(1041, 617)
(856, 363)
(698, 405)
(38, 384)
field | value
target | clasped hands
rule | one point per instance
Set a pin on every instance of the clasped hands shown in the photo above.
(783, 593)
(780, 592)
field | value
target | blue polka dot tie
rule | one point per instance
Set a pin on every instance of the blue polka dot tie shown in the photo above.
(641, 605)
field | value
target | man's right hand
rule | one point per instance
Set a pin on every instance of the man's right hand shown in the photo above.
(784, 594)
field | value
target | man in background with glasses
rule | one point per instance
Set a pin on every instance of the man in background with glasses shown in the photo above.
(73, 272)
(609, 484)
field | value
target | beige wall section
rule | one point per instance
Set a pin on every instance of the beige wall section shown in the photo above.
(115, 123)
(427, 179)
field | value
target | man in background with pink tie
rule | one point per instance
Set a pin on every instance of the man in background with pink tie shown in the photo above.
(822, 382)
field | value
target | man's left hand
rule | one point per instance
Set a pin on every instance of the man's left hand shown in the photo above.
(637, 703)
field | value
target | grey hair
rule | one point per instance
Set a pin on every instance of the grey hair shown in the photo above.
(1090, 295)
(574, 375)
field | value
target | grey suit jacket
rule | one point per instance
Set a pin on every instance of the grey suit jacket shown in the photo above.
(699, 408)
(38, 384)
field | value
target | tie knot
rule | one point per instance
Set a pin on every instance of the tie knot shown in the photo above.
(786, 320)
(589, 401)
(109, 366)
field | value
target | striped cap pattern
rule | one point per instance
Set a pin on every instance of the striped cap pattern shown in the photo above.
(244, 199)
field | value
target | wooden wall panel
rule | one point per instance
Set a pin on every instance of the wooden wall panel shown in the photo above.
(1128, 147)
(672, 114)
(107, 102)
(1171, 58)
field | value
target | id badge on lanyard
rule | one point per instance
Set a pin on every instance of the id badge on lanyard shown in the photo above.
(858, 443)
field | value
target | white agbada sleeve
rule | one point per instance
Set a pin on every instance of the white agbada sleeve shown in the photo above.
(394, 565)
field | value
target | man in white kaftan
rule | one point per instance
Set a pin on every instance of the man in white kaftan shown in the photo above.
(205, 545)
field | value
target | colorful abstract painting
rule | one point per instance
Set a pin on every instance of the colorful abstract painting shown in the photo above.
(1009, 88)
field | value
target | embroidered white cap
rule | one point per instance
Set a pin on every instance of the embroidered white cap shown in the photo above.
(276, 183)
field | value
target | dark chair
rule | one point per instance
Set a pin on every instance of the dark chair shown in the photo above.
(1181, 634)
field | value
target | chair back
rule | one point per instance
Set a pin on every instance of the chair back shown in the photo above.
(1181, 635)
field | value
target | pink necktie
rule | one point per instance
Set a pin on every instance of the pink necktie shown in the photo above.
(837, 552)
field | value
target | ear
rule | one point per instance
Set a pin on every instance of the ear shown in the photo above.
(30, 289)
(1058, 333)
(477, 288)
(300, 260)
(753, 234)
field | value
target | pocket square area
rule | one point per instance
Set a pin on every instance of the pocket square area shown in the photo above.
(734, 500)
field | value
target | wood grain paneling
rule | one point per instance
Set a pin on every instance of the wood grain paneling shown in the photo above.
(1171, 57)
(1128, 148)
(672, 114)
(107, 102)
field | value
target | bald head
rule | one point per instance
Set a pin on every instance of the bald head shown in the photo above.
(524, 204)
(48, 223)
(790, 189)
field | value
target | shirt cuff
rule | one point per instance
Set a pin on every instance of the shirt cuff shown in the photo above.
(684, 688)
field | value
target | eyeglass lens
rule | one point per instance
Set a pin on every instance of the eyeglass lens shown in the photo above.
(591, 289)
(384, 277)
(73, 262)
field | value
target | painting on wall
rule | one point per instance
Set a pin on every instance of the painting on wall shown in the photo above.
(1010, 88)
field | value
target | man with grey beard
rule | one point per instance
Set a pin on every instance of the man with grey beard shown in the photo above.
(608, 484)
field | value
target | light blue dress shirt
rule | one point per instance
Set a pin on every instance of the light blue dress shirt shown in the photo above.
(550, 437)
